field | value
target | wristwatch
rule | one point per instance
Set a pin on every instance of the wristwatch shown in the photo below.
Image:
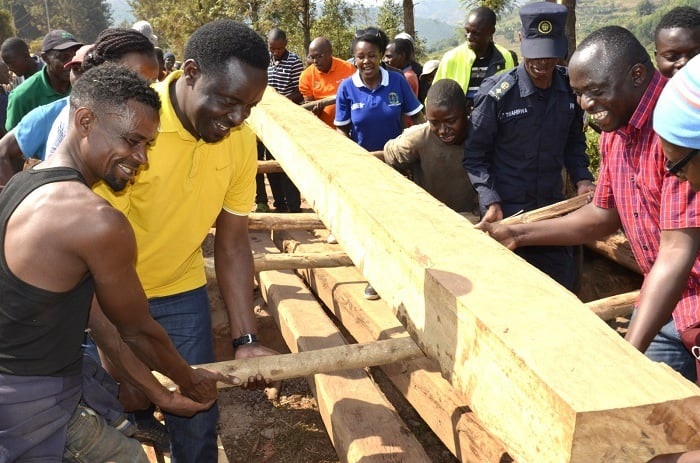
(247, 338)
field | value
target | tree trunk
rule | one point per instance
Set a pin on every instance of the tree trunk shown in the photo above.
(409, 25)
(570, 24)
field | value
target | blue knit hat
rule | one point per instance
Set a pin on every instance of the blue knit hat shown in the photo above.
(677, 113)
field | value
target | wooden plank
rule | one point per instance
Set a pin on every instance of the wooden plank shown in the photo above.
(614, 306)
(269, 167)
(265, 262)
(362, 424)
(537, 365)
(278, 221)
(439, 404)
(548, 212)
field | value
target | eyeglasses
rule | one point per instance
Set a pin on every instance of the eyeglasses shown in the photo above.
(675, 168)
(316, 57)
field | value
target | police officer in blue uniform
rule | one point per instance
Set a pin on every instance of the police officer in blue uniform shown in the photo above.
(527, 126)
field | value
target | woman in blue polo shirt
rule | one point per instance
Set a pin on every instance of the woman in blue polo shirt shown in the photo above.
(370, 106)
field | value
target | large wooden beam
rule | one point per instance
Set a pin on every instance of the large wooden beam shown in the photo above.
(537, 365)
(440, 405)
(362, 424)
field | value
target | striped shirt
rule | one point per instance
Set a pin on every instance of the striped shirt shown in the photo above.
(283, 75)
(633, 180)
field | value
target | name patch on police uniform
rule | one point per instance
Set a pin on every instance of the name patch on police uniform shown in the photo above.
(513, 113)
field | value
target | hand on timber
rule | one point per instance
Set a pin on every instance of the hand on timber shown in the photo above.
(202, 384)
(585, 186)
(494, 213)
(254, 350)
(501, 233)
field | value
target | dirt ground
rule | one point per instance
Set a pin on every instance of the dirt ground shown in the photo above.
(258, 430)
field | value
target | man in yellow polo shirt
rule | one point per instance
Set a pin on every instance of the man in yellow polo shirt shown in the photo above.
(201, 171)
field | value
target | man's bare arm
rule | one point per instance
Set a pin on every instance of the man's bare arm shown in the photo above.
(664, 284)
(586, 224)
(234, 273)
(109, 257)
(11, 157)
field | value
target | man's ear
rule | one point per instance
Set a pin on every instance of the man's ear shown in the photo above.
(639, 74)
(83, 120)
(191, 71)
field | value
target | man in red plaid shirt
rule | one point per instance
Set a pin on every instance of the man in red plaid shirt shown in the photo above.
(617, 85)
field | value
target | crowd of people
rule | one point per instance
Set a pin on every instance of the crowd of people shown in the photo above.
(478, 130)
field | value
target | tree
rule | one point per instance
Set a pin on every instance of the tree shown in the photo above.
(83, 18)
(409, 25)
(335, 23)
(7, 30)
(500, 7)
(390, 18)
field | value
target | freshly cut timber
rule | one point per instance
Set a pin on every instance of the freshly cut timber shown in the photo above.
(537, 366)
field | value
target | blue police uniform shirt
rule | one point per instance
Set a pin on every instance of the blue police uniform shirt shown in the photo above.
(33, 129)
(375, 115)
(521, 138)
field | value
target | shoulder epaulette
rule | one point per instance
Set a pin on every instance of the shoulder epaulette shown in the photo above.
(503, 86)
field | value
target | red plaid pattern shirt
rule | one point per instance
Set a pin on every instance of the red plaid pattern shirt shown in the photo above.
(633, 180)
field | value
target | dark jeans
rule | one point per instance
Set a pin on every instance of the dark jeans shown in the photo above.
(285, 194)
(187, 319)
(555, 261)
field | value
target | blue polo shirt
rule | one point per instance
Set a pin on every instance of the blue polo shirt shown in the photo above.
(375, 115)
(34, 128)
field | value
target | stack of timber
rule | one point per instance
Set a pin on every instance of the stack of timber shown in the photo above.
(540, 371)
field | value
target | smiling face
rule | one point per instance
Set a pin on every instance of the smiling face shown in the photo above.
(674, 48)
(118, 140)
(540, 70)
(608, 92)
(449, 123)
(478, 32)
(215, 102)
(367, 60)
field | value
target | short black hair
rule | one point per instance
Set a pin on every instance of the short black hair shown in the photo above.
(277, 34)
(485, 13)
(404, 47)
(684, 17)
(111, 86)
(114, 43)
(621, 49)
(446, 93)
(14, 45)
(214, 44)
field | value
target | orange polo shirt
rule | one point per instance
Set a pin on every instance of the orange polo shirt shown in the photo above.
(315, 85)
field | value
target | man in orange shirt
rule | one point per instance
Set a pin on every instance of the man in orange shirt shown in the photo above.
(323, 78)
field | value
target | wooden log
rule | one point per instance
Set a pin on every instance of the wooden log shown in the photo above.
(614, 306)
(268, 221)
(442, 407)
(617, 248)
(328, 360)
(269, 167)
(362, 424)
(543, 388)
(322, 103)
(265, 262)
(551, 211)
